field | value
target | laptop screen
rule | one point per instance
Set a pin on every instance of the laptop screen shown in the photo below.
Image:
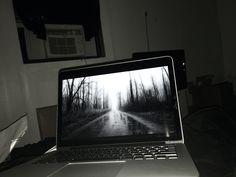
(125, 101)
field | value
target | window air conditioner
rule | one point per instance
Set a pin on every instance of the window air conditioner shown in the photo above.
(65, 41)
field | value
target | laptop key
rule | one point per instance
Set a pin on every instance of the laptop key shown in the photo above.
(170, 155)
(149, 158)
(161, 158)
(138, 158)
(129, 157)
(148, 155)
(173, 157)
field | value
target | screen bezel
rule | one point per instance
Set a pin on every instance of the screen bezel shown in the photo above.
(113, 67)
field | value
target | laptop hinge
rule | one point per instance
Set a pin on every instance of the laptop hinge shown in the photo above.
(174, 142)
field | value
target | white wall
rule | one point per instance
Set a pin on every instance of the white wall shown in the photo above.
(128, 31)
(202, 40)
(12, 99)
(183, 24)
(165, 24)
(127, 26)
(227, 19)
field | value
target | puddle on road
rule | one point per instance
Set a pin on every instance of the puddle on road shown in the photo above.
(136, 128)
(115, 124)
(94, 130)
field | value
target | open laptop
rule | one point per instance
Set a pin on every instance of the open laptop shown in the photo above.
(116, 119)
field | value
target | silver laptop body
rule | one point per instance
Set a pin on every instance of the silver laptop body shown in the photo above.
(106, 109)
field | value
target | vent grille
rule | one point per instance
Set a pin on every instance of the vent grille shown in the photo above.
(65, 41)
(62, 45)
(64, 32)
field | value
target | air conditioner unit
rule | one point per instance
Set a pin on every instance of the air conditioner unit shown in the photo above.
(65, 41)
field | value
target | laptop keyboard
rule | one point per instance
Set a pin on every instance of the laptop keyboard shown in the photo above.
(160, 152)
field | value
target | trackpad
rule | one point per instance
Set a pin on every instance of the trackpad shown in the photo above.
(89, 170)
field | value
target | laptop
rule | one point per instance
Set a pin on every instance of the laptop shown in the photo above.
(116, 119)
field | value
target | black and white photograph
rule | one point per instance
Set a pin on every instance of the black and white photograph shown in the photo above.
(118, 104)
(118, 88)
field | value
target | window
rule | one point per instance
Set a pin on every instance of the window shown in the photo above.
(59, 30)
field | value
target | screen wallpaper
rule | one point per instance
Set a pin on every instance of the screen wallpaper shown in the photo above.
(118, 104)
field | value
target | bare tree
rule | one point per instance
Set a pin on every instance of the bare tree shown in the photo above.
(96, 97)
(131, 89)
(72, 91)
(120, 100)
(143, 90)
(155, 88)
(136, 91)
(166, 86)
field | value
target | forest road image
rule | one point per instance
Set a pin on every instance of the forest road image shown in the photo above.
(116, 123)
(126, 103)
